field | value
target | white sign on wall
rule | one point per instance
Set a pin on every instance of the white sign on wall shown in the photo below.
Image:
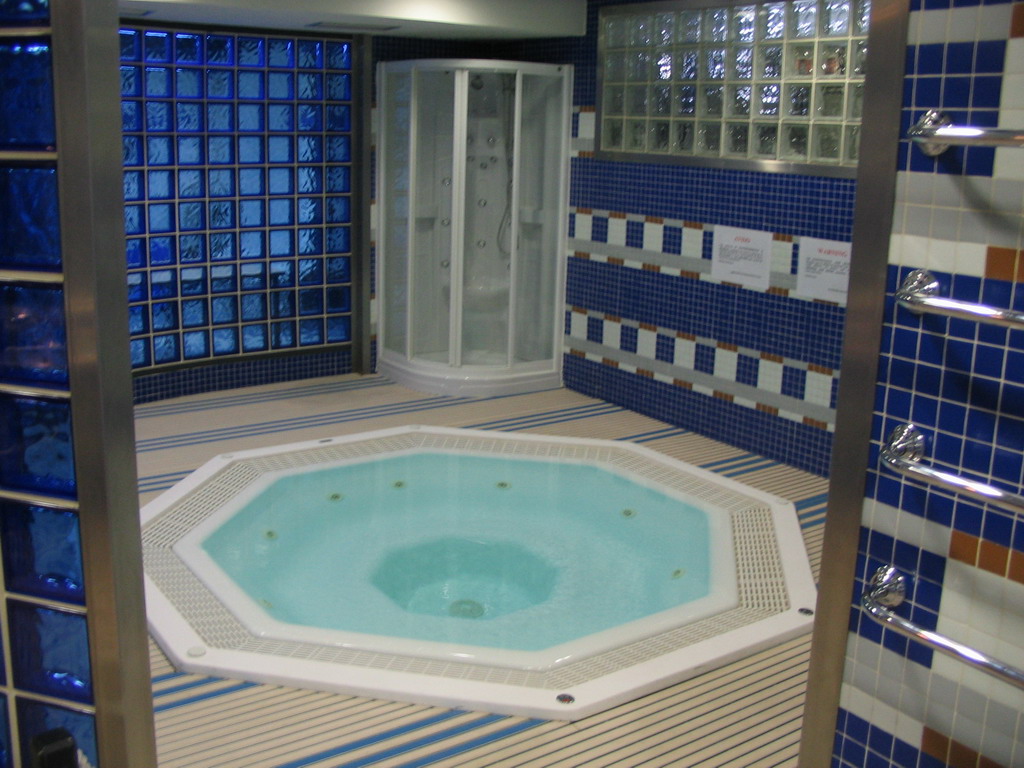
(742, 256)
(823, 269)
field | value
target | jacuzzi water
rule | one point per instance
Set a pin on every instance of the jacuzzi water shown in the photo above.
(542, 576)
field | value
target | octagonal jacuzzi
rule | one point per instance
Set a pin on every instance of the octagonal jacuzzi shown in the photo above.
(519, 574)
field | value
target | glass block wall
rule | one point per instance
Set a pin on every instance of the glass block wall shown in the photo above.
(238, 152)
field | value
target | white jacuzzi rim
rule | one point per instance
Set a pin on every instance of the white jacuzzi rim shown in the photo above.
(483, 687)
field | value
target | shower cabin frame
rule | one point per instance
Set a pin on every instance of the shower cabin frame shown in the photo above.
(458, 375)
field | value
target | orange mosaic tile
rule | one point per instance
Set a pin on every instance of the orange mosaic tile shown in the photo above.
(1003, 264)
(964, 547)
(1017, 22)
(682, 384)
(993, 557)
(1016, 569)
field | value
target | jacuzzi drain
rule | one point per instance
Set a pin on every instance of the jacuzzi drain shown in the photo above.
(466, 609)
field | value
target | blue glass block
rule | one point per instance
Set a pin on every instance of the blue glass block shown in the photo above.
(220, 117)
(138, 289)
(251, 52)
(131, 116)
(163, 284)
(135, 253)
(310, 86)
(280, 149)
(339, 210)
(251, 213)
(339, 298)
(310, 242)
(338, 240)
(310, 179)
(310, 210)
(194, 313)
(219, 84)
(220, 49)
(253, 244)
(158, 82)
(165, 316)
(339, 117)
(188, 83)
(280, 52)
(139, 351)
(26, 81)
(162, 251)
(310, 54)
(311, 271)
(282, 274)
(225, 341)
(254, 306)
(158, 116)
(280, 181)
(280, 85)
(254, 276)
(280, 117)
(250, 118)
(133, 220)
(165, 349)
(195, 344)
(339, 179)
(42, 553)
(311, 331)
(223, 279)
(131, 81)
(250, 182)
(37, 453)
(50, 651)
(251, 85)
(221, 150)
(310, 149)
(159, 150)
(224, 309)
(35, 718)
(138, 320)
(339, 55)
(250, 149)
(339, 149)
(188, 48)
(157, 46)
(282, 304)
(131, 45)
(339, 330)
(311, 301)
(282, 242)
(33, 342)
(221, 183)
(188, 116)
(311, 117)
(339, 270)
(161, 217)
(190, 183)
(282, 335)
(131, 150)
(159, 184)
(254, 338)
(29, 221)
(339, 87)
(190, 150)
(222, 214)
(281, 211)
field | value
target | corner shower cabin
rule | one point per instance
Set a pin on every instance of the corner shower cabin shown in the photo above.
(472, 197)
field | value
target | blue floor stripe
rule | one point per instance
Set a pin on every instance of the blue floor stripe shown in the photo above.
(811, 501)
(187, 686)
(467, 746)
(433, 738)
(650, 437)
(203, 697)
(371, 740)
(582, 411)
(168, 676)
(722, 462)
(747, 467)
(554, 420)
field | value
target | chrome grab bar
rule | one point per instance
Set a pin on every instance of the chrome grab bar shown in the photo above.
(935, 133)
(920, 293)
(888, 588)
(903, 453)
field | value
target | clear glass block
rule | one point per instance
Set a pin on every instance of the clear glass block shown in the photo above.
(798, 100)
(339, 87)
(712, 100)
(220, 150)
(835, 21)
(310, 210)
(188, 48)
(339, 149)
(664, 28)
(159, 150)
(795, 141)
(766, 140)
(339, 240)
(224, 309)
(683, 136)
(744, 23)
(190, 150)
(739, 100)
(280, 117)
(826, 142)
(190, 183)
(131, 116)
(663, 65)
(658, 139)
(661, 100)
(253, 244)
(220, 84)
(772, 21)
(829, 100)
(225, 341)
(50, 651)
(339, 117)
(250, 149)
(832, 58)
(709, 138)
(254, 306)
(861, 17)
(282, 335)
(311, 272)
(29, 221)
(688, 64)
(162, 251)
(716, 24)
(737, 138)
(640, 31)
(137, 286)
(685, 100)
(768, 97)
(769, 61)
(193, 281)
(163, 284)
(856, 103)
(339, 178)
(194, 313)
(615, 35)
(803, 18)
(220, 117)
(131, 81)
(130, 39)
(192, 248)
(191, 216)
(282, 242)
(860, 57)
(636, 100)
(638, 66)
(38, 454)
(742, 67)
(851, 151)
(688, 26)
(254, 338)
(33, 344)
(339, 270)
(615, 67)
(26, 81)
(715, 63)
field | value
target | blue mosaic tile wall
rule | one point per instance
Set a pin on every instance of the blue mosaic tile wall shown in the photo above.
(238, 200)
(46, 678)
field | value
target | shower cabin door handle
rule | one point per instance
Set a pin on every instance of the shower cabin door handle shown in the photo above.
(887, 589)
(920, 293)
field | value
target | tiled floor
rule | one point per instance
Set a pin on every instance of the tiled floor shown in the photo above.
(745, 714)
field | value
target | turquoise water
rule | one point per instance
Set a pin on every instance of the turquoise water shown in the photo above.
(502, 553)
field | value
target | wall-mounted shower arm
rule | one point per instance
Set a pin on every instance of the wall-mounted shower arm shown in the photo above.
(903, 453)
(935, 133)
(919, 293)
(887, 589)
